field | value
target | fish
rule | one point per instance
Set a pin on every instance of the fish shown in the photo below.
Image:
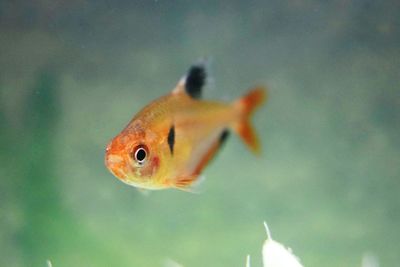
(171, 140)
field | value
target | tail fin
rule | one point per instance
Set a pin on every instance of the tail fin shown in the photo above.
(246, 106)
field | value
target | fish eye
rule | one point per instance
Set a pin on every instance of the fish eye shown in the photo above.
(140, 154)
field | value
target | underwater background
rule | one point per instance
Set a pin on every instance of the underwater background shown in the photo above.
(73, 73)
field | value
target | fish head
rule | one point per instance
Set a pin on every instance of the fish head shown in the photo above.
(131, 156)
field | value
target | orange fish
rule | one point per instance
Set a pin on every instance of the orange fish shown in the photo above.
(170, 141)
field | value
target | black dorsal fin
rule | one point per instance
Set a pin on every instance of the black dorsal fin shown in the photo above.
(195, 80)
(171, 139)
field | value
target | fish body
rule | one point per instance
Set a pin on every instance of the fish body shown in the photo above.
(170, 141)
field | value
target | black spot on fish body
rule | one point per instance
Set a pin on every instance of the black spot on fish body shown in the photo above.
(222, 138)
(171, 139)
(195, 80)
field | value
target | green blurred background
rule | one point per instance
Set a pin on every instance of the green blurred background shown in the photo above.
(73, 73)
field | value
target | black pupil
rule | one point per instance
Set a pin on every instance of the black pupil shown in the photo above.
(140, 154)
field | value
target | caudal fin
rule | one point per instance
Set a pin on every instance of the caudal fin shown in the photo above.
(246, 106)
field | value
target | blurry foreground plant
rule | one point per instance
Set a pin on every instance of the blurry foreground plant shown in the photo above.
(275, 254)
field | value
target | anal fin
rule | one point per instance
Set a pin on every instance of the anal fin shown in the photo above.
(209, 155)
(186, 183)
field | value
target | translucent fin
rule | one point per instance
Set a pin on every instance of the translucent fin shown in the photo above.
(190, 183)
(143, 191)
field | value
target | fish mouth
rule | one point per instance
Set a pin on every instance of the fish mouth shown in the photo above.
(119, 167)
(114, 159)
(115, 164)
